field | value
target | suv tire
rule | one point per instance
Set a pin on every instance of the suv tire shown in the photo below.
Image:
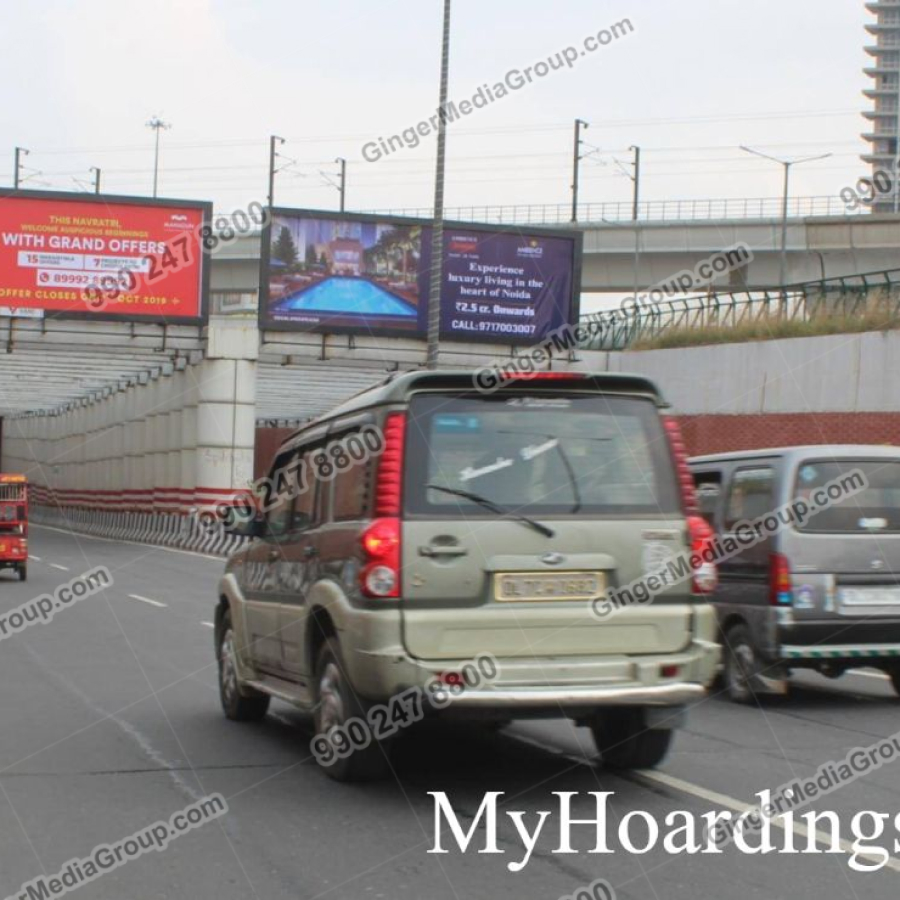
(23, 572)
(237, 706)
(336, 704)
(625, 742)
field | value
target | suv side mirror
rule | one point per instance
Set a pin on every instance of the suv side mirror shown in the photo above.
(237, 522)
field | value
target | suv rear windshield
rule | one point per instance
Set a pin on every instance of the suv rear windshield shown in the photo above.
(543, 454)
(876, 510)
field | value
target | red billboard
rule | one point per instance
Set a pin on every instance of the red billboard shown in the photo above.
(102, 257)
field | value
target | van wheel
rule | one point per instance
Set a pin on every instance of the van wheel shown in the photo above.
(236, 705)
(336, 704)
(625, 742)
(23, 573)
(740, 664)
(894, 672)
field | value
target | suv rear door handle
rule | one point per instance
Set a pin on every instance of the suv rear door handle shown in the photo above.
(442, 550)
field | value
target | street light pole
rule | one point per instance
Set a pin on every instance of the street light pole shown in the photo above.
(20, 152)
(437, 243)
(637, 181)
(274, 140)
(157, 125)
(96, 172)
(786, 163)
(576, 166)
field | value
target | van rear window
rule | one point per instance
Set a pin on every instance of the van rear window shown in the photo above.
(876, 510)
(539, 454)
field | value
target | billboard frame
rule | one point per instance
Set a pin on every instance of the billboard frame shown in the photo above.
(575, 235)
(206, 208)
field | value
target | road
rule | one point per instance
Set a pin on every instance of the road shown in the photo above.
(112, 722)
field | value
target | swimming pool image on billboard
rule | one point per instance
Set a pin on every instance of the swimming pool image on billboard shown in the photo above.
(348, 295)
(344, 273)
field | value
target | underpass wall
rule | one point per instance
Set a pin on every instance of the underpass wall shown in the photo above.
(817, 390)
(148, 459)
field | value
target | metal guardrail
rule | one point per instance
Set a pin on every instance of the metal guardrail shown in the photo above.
(648, 211)
(848, 296)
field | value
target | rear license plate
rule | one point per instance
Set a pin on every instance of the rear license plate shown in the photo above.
(536, 586)
(859, 597)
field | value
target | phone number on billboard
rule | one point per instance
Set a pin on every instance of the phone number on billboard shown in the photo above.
(496, 327)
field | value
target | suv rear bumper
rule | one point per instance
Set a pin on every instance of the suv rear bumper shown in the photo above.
(540, 698)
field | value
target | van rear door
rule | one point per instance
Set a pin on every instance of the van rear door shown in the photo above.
(593, 469)
(845, 560)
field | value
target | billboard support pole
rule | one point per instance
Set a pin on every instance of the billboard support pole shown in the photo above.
(343, 182)
(437, 244)
(96, 172)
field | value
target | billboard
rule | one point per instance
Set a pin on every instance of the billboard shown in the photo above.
(363, 274)
(102, 257)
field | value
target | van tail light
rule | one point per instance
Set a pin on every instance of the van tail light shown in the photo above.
(705, 575)
(780, 587)
(380, 576)
(679, 455)
(389, 482)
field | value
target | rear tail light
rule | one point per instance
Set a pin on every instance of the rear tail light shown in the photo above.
(679, 454)
(705, 575)
(669, 671)
(389, 483)
(380, 576)
(780, 587)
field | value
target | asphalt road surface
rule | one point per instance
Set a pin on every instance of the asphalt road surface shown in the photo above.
(111, 722)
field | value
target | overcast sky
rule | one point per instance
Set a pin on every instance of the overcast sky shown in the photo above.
(694, 80)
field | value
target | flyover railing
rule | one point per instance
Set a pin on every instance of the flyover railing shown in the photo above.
(615, 212)
(873, 295)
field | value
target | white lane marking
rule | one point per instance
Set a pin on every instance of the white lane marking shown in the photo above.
(147, 600)
(35, 558)
(724, 800)
(208, 624)
(57, 566)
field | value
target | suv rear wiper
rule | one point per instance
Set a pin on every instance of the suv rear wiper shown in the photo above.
(494, 507)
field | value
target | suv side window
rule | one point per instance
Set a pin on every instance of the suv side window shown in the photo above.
(305, 505)
(709, 492)
(350, 490)
(279, 516)
(752, 495)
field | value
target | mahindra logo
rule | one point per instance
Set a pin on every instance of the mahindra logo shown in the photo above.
(878, 564)
(552, 559)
